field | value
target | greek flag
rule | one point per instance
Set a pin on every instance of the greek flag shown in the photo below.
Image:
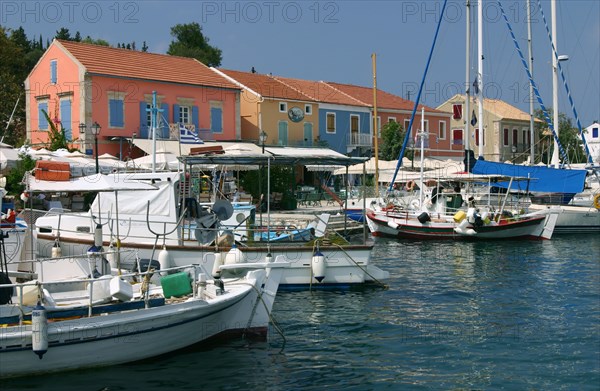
(188, 136)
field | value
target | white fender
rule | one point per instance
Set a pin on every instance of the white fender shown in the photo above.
(98, 237)
(56, 250)
(39, 330)
(235, 256)
(318, 266)
(164, 258)
(216, 273)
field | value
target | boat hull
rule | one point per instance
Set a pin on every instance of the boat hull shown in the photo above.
(127, 336)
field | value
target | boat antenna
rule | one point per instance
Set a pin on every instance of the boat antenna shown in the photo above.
(412, 116)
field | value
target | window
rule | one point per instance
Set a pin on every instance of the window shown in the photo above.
(457, 111)
(282, 107)
(185, 114)
(442, 130)
(525, 138)
(330, 122)
(594, 132)
(457, 136)
(148, 114)
(391, 119)
(216, 117)
(354, 123)
(515, 137)
(116, 109)
(307, 109)
(53, 71)
(42, 121)
(406, 125)
(378, 127)
(505, 138)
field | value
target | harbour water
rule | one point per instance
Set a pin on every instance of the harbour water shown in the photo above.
(516, 315)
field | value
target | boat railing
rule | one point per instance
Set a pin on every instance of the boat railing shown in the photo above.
(197, 273)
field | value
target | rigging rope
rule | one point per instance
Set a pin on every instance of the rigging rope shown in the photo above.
(562, 75)
(535, 89)
(412, 116)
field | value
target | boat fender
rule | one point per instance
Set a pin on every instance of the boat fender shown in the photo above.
(318, 266)
(6, 292)
(216, 273)
(111, 256)
(98, 237)
(269, 257)
(56, 250)
(424, 217)
(235, 255)
(410, 186)
(470, 232)
(164, 258)
(471, 215)
(39, 330)
(597, 201)
(392, 224)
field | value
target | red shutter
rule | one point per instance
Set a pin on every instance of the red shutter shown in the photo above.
(457, 110)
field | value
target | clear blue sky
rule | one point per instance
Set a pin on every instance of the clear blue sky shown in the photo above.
(334, 40)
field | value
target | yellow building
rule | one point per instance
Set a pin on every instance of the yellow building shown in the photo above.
(288, 117)
(506, 129)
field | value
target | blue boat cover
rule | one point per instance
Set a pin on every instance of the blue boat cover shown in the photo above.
(543, 179)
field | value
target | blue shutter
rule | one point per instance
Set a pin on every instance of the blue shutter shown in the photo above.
(195, 120)
(53, 71)
(116, 113)
(216, 120)
(163, 125)
(65, 118)
(176, 113)
(143, 120)
(283, 133)
(42, 122)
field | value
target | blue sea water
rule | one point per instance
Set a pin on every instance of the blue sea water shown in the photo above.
(511, 315)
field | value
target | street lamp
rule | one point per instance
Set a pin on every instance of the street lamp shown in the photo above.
(96, 131)
(514, 150)
(262, 137)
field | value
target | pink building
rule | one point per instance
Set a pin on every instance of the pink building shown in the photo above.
(81, 84)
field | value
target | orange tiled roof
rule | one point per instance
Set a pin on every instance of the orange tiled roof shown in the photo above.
(266, 85)
(385, 100)
(320, 91)
(104, 60)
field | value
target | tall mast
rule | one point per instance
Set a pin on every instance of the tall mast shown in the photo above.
(555, 157)
(480, 73)
(375, 127)
(531, 96)
(467, 112)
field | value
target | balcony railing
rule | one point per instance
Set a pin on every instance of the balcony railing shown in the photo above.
(360, 140)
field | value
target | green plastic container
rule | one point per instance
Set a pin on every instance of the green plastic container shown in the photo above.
(177, 285)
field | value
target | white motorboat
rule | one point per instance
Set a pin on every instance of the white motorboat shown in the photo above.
(62, 324)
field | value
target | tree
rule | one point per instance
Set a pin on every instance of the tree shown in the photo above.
(190, 42)
(13, 71)
(99, 41)
(144, 47)
(63, 34)
(392, 137)
(567, 135)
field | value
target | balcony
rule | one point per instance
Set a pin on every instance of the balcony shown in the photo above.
(359, 140)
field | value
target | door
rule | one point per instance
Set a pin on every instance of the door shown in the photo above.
(283, 133)
(308, 134)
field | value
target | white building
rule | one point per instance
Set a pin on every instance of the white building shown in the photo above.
(592, 137)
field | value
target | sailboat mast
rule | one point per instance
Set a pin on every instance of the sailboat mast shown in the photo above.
(480, 73)
(467, 112)
(375, 127)
(555, 157)
(531, 96)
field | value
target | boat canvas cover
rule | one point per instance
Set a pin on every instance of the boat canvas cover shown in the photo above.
(134, 202)
(542, 179)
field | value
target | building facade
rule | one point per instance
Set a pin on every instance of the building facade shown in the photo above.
(79, 85)
(506, 129)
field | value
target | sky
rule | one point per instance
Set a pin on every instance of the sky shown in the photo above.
(334, 41)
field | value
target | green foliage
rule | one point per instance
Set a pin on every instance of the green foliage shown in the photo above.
(282, 180)
(567, 135)
(101, 42)
(190, 42)
(56, 136)
(15, 176)
(392, 136)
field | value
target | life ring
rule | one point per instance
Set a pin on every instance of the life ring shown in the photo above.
(597, 201)
(410, 186)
